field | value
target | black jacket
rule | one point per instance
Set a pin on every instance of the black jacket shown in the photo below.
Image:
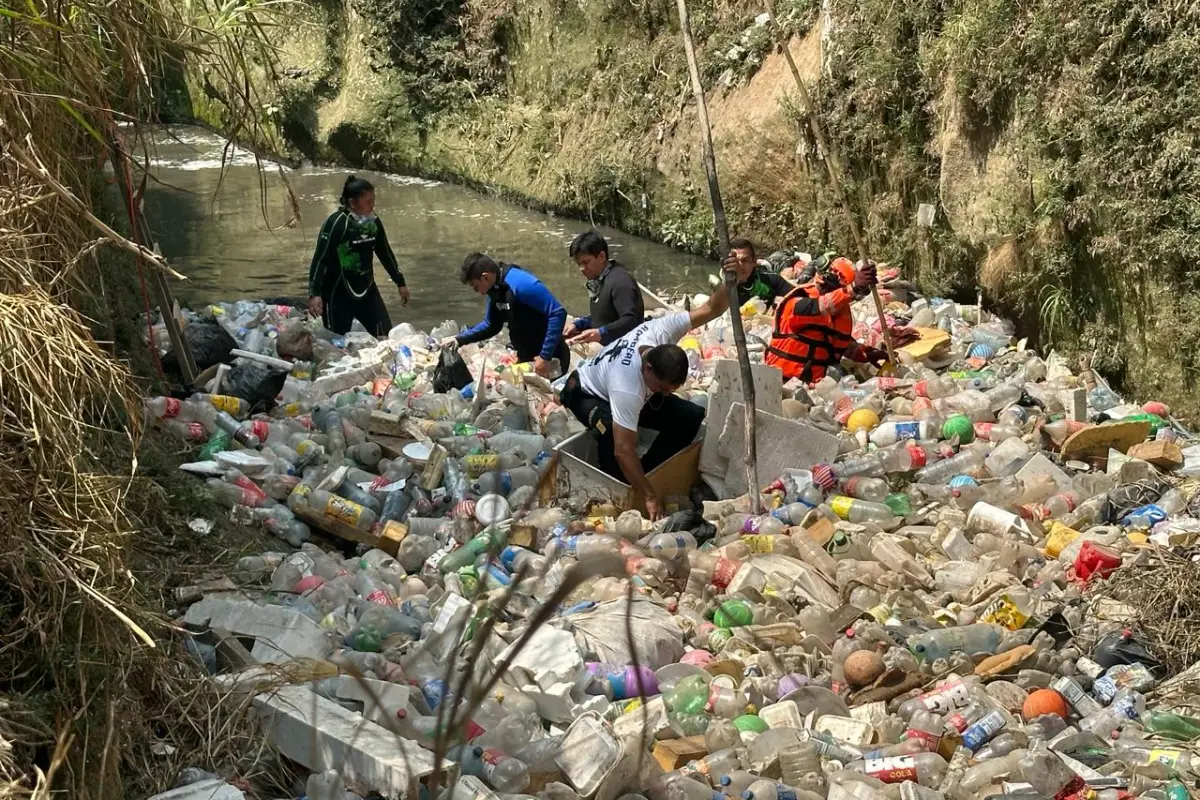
(617, 308)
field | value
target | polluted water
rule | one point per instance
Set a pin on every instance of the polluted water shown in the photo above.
(920, 614)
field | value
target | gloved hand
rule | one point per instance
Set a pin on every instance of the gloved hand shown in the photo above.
(865, 278)
(829, 282)
(873, 355)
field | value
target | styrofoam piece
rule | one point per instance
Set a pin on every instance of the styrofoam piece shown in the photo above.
(783, 714)
(588, 753)
(846, 729)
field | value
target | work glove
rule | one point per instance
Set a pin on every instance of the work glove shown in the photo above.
(873, 355)
(865, 278)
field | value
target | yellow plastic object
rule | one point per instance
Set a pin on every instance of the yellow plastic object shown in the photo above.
(862, 419)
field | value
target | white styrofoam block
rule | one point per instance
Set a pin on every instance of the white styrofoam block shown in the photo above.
(725, 390)
(781, 443)
(550, 657)
(320, 734)
(280, 634)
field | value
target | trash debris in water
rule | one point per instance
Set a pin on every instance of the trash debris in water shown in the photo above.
(922, 611)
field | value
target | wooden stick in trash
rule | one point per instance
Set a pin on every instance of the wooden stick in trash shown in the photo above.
(722, 226)
(834, 168)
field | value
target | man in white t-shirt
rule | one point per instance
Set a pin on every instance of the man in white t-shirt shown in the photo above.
(630, 384)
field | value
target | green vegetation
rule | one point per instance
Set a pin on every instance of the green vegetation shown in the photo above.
(1055, 139)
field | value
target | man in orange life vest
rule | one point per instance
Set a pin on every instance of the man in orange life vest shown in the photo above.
(813, 323)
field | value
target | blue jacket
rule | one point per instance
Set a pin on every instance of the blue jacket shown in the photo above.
(535, 318)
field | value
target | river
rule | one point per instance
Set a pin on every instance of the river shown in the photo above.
(223, 229)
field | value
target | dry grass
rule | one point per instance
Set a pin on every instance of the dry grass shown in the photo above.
(1164, 592)
(96, 698)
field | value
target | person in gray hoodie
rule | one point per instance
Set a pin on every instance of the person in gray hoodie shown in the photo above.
(615, 305)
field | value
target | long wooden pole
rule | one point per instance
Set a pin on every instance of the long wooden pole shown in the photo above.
(833, 167)
(722, 226)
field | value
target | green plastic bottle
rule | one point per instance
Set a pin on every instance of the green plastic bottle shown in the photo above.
(489, 540)
(1156, 422)
(899, 503)
(217, 443)
(1171, 726)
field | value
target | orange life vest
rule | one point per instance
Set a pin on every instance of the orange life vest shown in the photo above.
(806, 350)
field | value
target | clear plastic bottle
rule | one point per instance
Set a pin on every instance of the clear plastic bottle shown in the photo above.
(891, 432)
(859, 511)
(967, 462)
(927, 769)
(505, 482)
(347, 511)
(873, 490)
(502, 772)
(892, 460)
(969, 639)
(671, 546)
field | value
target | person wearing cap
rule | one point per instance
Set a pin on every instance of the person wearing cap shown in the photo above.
(615, 304)
(752, 280)
(814, 325)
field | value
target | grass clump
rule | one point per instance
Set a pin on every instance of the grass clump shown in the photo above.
(97, 698)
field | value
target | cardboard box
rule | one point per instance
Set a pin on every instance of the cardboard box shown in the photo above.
(579, 479)
(671, 754)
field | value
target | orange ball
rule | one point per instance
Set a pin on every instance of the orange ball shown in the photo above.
(1042, 702)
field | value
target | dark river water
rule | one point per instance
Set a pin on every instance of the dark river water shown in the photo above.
(223, 229)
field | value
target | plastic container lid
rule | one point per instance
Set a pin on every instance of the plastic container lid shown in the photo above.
(417, 451)
(492, 509)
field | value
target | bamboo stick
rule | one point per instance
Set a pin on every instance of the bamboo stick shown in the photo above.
(834, 168)
(722, 226)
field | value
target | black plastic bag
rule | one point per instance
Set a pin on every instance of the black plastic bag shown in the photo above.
(451, 372)
(256, 383)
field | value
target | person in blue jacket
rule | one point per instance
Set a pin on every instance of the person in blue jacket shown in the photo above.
(535, 318)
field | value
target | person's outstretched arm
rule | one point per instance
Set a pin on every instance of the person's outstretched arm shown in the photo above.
(716, 305)
(386, 257)
(491, 325)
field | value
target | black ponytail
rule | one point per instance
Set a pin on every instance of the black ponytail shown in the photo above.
(354, 188)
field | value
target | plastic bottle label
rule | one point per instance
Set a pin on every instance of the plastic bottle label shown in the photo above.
(946, 698)
(917, 455)
(759, 544)
(1004, 611)
(1164, 756)
(379, 597)
(841, 505)
(896, 769)
(724, 572)
(1122, 676)
(230, 405)
(260, 428)
(984, 729)
(344, 510)
(908, 430)
(928, 739)
(196, 431)
(921, 389)
(752, 524)
(173, 407)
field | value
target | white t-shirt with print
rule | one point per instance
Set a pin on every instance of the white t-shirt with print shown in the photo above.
(615, 373)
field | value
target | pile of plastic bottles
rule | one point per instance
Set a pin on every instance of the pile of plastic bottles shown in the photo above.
(912, 619)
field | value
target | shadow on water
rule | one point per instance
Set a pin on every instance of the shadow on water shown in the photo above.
(220, 240)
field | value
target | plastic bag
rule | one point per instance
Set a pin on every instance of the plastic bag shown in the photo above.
(256, 383)
(601, 631)
(451, 372)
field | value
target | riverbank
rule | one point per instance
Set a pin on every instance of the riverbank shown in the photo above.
(1040, 193)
